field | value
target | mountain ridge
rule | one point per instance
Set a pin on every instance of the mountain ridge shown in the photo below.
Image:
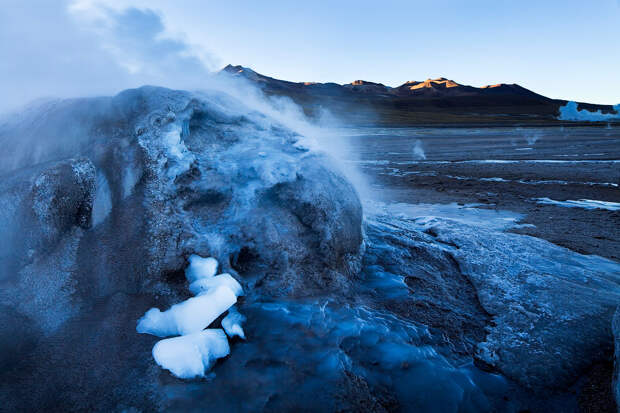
(410, 87)
(431, 101)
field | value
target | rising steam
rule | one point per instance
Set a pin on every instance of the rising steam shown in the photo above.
(418, 150)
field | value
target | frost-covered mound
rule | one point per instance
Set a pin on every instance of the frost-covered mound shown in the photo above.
(190, 173)
(104, 199)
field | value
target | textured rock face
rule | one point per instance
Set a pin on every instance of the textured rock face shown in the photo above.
(39, 204)
(538, 313)
(44, 213)
(546, 309)
(198, 174)
(161, 174)
(435, 293)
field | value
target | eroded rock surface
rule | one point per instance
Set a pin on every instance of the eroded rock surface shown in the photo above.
(44, 213)
(539, 313)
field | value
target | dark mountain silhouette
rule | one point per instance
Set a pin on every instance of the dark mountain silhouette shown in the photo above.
(433, 101)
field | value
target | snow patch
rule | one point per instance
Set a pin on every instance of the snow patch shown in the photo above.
(571, 112)
(130, 179)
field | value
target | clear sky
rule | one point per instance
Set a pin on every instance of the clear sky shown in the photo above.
(562, 49)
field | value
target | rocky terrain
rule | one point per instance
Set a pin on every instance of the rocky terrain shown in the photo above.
(100, 219)
(388, 298)
(473, 177)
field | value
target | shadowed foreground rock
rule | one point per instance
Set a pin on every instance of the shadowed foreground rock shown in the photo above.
(44, 213)
(538, 313)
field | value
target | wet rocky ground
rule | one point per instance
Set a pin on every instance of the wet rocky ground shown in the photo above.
(444, 287)
(465, 166)
(510, 169)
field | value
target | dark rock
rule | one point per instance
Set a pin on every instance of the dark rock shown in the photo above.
(438, 295)
(551, 308)
(45, 211)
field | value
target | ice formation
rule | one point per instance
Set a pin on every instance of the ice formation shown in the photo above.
(178, 156)
(200, 268)
(102, 204)
(190, 316)
(232, 323)
(204, 285)
(581, 203)
(191, 355)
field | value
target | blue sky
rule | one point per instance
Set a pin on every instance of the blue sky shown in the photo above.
(562, 49)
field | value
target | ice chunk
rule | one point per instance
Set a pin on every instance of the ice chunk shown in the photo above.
(200, 268)
(192, 355)
(190, 316)
(203, 285)
(581, 203)
(232, 323)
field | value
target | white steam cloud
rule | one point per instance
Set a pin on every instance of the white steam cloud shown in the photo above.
(418, 150)
(532, 138)
(69, 48)
(101, 48)
(571, 112)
